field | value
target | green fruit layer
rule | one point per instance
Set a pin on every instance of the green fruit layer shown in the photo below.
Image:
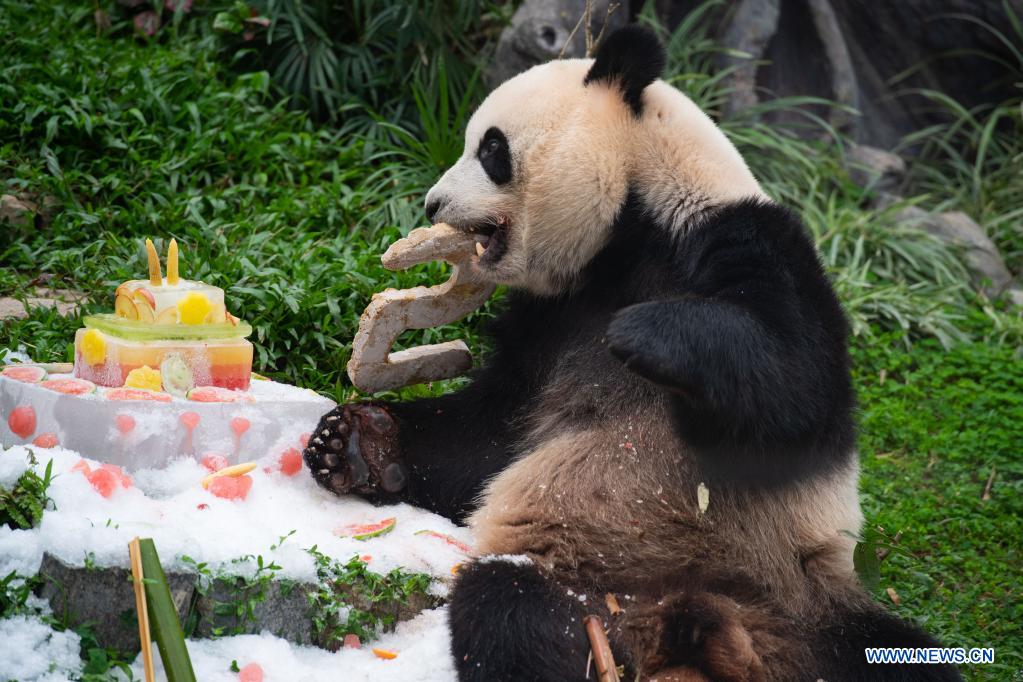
(134, 330)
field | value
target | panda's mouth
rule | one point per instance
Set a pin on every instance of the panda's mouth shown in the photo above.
(491, 241)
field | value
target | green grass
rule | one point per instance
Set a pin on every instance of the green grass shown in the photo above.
(935, 425)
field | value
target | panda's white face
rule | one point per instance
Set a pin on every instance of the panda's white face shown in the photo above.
(548, 163)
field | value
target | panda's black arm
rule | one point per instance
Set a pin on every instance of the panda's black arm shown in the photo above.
(452, 445)
(752, 350)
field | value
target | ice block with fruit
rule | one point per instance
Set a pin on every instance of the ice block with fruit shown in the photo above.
(166, 334)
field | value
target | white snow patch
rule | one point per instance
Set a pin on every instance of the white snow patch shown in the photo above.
(35, 652)
(517, 559)
(422, 645)
(170, 506)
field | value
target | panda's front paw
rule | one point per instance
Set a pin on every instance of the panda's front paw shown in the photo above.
(643, 338)
(355, 450)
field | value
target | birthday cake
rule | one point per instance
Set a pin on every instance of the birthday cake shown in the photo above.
(168, 374)
(167, 334)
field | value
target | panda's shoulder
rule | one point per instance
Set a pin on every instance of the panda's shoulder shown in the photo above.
(753, 231)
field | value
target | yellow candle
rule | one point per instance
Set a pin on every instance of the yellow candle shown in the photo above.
(155, 278)
(172, 262)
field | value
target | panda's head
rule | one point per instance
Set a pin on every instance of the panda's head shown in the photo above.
(551, 155)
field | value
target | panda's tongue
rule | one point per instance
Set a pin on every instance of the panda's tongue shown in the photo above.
(491, 249)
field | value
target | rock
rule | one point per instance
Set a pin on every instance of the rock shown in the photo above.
(280, 607)
(539, 30)
(104, 598)
(65, 301)
(875, 168)
(19, 213)
(1014, 296)
(980, 254)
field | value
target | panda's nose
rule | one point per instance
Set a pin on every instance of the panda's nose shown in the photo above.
(432, 207)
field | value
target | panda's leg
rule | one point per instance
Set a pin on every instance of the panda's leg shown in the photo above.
(510, 623)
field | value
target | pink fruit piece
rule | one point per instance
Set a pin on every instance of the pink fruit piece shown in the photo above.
(231, 487)
(125, 423)
(303, 440)
(251, 673)
(201, 506)
(240, 425)
(291, 462)
(45, 440)
(366, 558)
(22, 421)
(28, 375)
(122, 478)
(189, 420)
(214, 462)
(352, 642)
(82, 466)
(104, 481)
(446, 538)
(216, 394)
(69, 386)
(365, 531)
(136, 394)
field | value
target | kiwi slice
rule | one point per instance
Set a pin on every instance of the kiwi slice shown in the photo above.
(134, 330)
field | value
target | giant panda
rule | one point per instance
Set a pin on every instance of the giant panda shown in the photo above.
(668, 333)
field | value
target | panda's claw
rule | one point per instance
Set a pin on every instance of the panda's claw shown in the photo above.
(356, 451)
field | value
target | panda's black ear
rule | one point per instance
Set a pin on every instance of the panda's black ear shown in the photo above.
(630, 58)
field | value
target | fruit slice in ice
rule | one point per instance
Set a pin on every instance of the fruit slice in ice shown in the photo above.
(93, 347)
(168, 316)
(45, 440)
(22, 421)
(215, 394)
(134, 330)
(136, 394)
(217, 314)
(144, 377)
(69, 386)
(193, 308)
(28, 375)
(124, 307)
(231, 487)
(367, 530)
(446, 538)
(177, 375)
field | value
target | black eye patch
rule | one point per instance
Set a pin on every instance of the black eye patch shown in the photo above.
(495, 156)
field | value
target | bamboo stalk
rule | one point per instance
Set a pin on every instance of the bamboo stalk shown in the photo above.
(137, 576)
(155, 277)
(602, 656)
(164, 617)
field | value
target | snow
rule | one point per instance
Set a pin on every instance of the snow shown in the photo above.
(34, 652)
(170, 506)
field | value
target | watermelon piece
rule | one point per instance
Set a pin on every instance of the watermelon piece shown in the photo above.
(28, 375)
(291, 462)
(104, 481)
(446, 538)
(352, 641)
(22, 421)
(125, 423)
(45, 440)
(367, 530)
(82, 466)
(189, 420)
(231, 487)
(214, 462)
(216, 394)
(240, 425)
(124, 479)
(136, 394)
(69, 386)
(253, 672)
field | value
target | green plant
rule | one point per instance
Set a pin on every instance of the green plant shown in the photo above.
(342, 603)
(23, 505)
(245, 592)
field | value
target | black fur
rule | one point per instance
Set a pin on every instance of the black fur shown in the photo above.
(632, 58)
(495, 156)
(515, 625)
